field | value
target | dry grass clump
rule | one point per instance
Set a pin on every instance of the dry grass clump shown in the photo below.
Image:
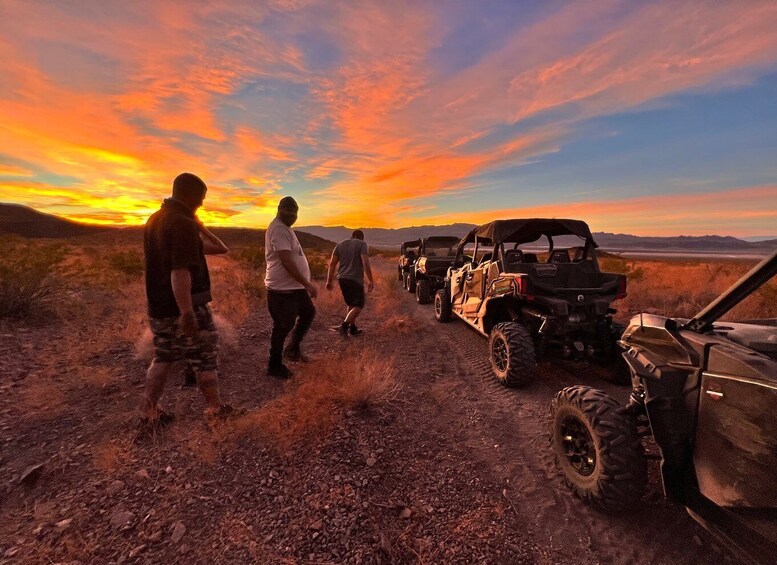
(388, 293)
(31, 277)
(317, 396)
(683, 288)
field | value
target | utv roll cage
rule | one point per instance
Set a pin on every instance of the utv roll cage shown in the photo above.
(444, 240)
(496, 234)
(409, 245)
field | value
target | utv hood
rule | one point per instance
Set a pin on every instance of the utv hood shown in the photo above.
(526, 231)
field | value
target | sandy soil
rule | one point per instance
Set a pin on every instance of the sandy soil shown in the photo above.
(457, 469)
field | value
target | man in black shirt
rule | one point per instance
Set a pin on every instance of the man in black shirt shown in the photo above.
(178, 292)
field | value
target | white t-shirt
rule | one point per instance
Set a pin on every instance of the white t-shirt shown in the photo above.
(280, 237)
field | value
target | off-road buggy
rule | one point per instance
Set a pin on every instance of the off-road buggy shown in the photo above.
(704, 403)
(527, 307)
(408, 254)
(427, 275)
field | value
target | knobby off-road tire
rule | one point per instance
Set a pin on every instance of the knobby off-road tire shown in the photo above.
(443, 310)
(597, 448)
(410, 282)
(400, 278)
(511, 350)
(423, 291)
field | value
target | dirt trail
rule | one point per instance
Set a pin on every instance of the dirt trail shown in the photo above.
(457, 470)
(506, 430)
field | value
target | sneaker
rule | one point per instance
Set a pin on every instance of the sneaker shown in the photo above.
(280, 372)
(355, 331)
(294, 354)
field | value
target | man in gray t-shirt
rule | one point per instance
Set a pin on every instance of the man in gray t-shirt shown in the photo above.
(352, 261)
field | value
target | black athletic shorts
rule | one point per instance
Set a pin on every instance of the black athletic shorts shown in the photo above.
(353, 292)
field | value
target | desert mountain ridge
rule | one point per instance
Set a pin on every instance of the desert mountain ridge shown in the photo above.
(393, 237)
(28, 222)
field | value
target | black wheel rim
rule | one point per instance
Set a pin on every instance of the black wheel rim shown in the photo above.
(499, 353)
(578, 445)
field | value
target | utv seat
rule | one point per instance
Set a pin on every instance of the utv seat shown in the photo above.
(513, 259)
(559, 256)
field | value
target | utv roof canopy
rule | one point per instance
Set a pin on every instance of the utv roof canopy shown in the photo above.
(407, 244)
(449, 239)
(526, 231)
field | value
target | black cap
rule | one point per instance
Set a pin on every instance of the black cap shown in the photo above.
(187, 186)
(288, 203)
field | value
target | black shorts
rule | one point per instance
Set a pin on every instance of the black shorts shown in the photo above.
(353, 292)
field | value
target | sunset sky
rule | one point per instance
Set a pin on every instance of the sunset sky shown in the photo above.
(652, 118)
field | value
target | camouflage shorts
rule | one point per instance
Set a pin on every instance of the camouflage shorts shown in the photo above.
(201, 351)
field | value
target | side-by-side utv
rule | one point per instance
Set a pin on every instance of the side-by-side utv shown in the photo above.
(408, 254)
(705, 398)
(435, 257)
(532, 304)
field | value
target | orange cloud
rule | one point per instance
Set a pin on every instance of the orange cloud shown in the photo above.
(129, 95)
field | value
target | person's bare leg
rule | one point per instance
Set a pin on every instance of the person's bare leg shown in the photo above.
(353, 313)
(156, 376)
(208, 382)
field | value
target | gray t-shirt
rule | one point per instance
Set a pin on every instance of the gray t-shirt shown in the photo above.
(349, 252)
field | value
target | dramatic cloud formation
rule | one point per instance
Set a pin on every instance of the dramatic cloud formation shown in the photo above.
(386, 113)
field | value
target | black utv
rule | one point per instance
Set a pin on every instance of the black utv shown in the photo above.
(408, 254)
(427, 275)
(530, 301)
(704, 403)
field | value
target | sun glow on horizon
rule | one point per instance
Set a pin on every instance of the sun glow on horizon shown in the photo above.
(640, 118)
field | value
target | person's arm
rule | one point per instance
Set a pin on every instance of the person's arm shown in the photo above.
(181, 280)
(211, 245)
(287, 261)
(368, 272)
(332, 266)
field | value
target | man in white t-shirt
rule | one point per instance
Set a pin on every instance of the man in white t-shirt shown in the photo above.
(289, 290)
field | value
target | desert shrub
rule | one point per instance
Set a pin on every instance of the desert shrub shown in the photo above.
(128, 262)
(312, 405)
(318, 265)
(683, 288)
(613, 264)
(29, 278)
(251, 257)
(253, 286)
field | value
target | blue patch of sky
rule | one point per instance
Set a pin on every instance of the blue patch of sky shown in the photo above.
(319, 51)
(693, 143)
(270, 105)
(475, 29)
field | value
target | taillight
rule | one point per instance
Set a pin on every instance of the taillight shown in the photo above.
(621, 288)
(522, 284)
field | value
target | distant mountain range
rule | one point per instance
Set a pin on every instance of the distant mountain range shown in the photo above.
(27, 222)
(383, 237)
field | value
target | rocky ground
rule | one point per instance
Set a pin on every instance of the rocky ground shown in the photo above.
(455, 469)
